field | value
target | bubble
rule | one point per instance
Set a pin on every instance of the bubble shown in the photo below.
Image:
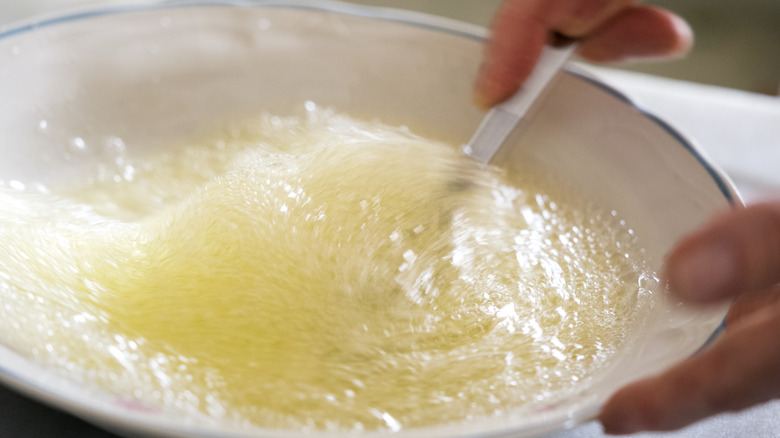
(77, 145)
(16, 185)
(496, 280)
(114, 147)
(129, 173)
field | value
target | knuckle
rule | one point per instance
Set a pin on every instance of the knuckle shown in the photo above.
(585, 16)
(719, 401)
(758, 229)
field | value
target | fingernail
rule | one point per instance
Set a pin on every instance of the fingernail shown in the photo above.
(685, 41)
(486, 89)
(481, 100)
(621, 427)
(616, 423)
(705, 273)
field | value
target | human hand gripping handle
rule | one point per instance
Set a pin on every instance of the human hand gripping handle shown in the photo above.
(607, 30)
(736, 255)
(503, 118)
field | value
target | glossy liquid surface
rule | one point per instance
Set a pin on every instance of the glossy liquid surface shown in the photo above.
(318, 272)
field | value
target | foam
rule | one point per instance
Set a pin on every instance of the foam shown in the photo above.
(319, 272)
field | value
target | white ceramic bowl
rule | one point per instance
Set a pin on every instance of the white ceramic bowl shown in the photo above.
(152, 74)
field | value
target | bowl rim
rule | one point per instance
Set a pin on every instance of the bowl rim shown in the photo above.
(423, 20)
(58, 391)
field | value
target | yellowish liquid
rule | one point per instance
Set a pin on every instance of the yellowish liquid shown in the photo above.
(318, 273)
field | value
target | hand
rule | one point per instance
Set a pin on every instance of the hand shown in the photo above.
(608, 30)
(736, 255)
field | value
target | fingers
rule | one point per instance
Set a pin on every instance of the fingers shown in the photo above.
(740, 370)
(577, 18)
(520, 31)
(751, 302)
(609, 30)
(737, 252)
(522, 28)
(640, 32)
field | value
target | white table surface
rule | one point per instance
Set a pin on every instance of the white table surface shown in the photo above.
(739, 131)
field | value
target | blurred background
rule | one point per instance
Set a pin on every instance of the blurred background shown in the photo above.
(737, 41)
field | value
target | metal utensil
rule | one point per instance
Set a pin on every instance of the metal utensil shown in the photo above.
(502, 119)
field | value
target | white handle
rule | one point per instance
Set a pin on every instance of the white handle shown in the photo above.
(501, 120)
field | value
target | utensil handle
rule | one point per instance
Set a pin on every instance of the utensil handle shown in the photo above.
(501, 120)
(551, 60)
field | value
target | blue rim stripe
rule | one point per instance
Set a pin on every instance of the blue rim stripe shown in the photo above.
(425, 21)
(419, 19)
(717, 176)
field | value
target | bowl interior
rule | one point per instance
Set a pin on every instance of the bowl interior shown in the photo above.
(153, 75)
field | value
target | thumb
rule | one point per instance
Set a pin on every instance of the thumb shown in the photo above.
(737, 252)
(738, 371)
